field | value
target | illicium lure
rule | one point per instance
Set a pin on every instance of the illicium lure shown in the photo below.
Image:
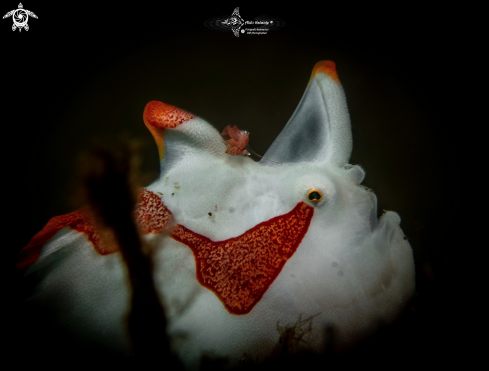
(237, 142)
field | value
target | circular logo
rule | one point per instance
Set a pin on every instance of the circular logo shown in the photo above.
(20, 17)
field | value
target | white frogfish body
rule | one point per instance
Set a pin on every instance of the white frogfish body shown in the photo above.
(253, 245)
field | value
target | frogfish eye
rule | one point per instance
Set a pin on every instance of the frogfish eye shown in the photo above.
(314, 195)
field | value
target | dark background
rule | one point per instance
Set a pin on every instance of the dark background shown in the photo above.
(87, 71)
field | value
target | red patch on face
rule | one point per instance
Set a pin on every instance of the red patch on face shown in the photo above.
(151, 217)
(240, 270)
(151, 214)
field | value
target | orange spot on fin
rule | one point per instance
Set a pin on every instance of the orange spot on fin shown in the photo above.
(241, 269)
(159, 116)
(326, 67)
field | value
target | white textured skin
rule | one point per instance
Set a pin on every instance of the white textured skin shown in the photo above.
(351, 270)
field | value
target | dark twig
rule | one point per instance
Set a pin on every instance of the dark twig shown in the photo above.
(112, 198)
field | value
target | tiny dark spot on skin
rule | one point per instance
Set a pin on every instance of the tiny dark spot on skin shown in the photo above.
(405, 238)
(210, 214)
(335, 264)
(172, 194)
(340, 273)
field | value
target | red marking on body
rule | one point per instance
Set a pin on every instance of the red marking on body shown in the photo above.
(151, 213)
(236, 140)
(160, 115)
(151, 216)
(79, 220)
(328, 68)
(240, 270)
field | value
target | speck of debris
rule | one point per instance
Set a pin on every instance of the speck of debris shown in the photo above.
(172, 194)
(161, 194)
(177, 187)
(210, 214)
(405, 238)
